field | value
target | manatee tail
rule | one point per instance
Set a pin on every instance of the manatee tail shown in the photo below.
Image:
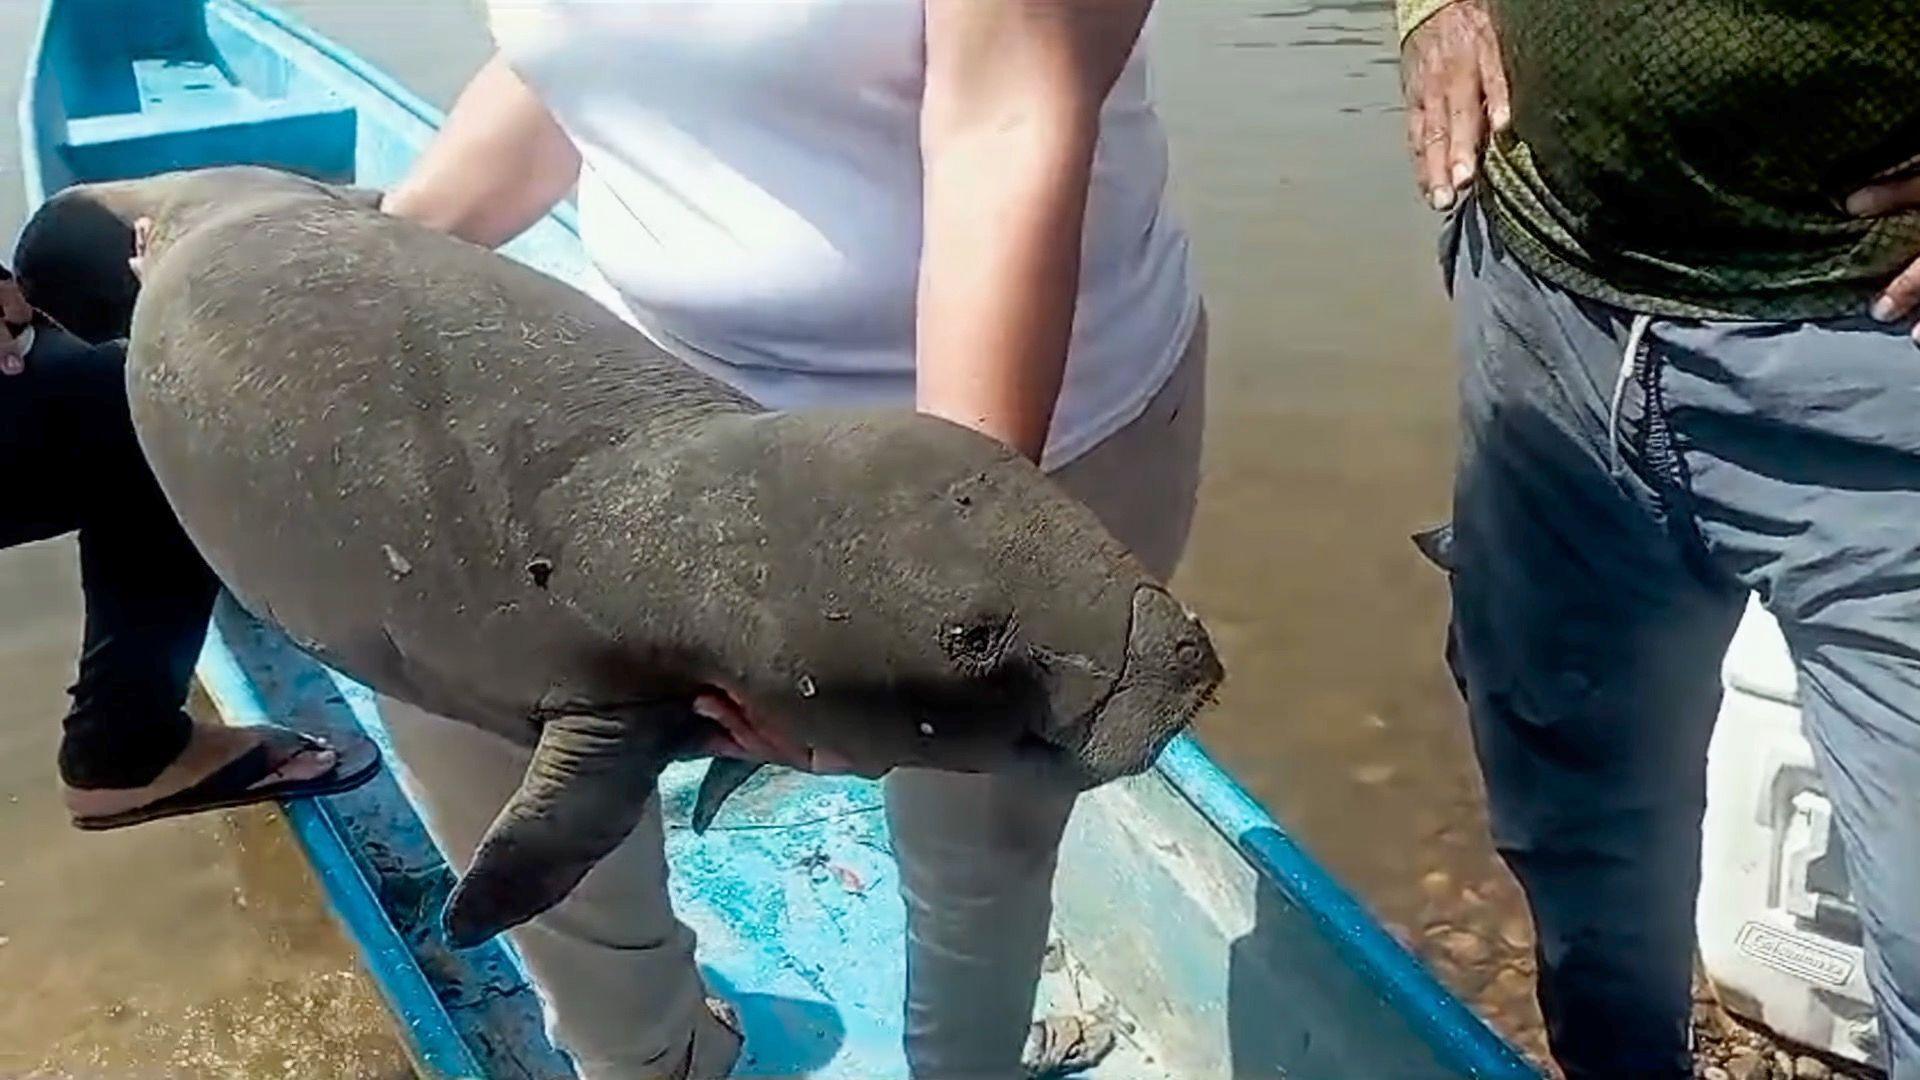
(724, 777)
(588, 785)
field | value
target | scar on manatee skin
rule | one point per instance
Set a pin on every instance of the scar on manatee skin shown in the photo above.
(401, 567)
(1048, 657)
(541, 571)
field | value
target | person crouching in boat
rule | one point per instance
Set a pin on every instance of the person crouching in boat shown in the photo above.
(129, 752)
(893, 204)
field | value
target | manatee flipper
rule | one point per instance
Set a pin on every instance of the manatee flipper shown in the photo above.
(588, 785)
(724, 777)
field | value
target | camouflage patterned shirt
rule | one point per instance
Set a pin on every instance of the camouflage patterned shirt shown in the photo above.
(1692, 158)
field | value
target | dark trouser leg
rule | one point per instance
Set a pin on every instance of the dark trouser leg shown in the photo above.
(1803, 450)
(73, 463)
(1587, 634)
(148, 598)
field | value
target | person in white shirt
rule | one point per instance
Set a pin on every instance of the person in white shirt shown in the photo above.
(954, 205)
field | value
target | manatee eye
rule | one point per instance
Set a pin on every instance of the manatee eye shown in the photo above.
(979, 643)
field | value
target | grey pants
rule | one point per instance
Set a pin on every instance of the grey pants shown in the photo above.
(1608, 525)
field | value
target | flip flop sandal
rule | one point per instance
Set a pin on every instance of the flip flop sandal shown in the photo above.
(238, 783)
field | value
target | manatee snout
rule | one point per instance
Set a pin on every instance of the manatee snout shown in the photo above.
(1170, 673)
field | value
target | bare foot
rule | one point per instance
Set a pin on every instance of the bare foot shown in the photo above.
(210, 748)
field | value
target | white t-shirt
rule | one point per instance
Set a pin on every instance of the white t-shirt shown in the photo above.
(752, 190)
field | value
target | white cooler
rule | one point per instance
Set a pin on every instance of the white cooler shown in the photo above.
(1779, 934)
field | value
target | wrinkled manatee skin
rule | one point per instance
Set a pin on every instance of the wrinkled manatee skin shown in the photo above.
(468, 486)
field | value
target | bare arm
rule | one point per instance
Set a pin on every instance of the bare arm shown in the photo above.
(499, 164)
(1008, 127)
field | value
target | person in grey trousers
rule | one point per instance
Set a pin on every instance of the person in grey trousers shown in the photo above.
(1681, 254)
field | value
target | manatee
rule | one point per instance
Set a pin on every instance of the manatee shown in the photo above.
(469, 486)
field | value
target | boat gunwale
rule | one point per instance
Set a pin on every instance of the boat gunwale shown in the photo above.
(27, 111)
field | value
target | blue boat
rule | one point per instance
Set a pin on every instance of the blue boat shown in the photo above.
(1184, 912)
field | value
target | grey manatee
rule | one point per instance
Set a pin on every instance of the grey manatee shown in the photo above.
(471, 487)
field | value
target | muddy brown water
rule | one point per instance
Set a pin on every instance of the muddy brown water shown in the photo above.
(199, 948)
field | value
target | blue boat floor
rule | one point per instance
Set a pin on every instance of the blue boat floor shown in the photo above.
(794, 896)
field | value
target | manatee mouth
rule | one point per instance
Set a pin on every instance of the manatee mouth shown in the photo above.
(1170, 675)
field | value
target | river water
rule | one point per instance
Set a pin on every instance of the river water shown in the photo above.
(198, 947)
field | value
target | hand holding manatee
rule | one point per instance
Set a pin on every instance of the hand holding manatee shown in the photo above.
(470, 487)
